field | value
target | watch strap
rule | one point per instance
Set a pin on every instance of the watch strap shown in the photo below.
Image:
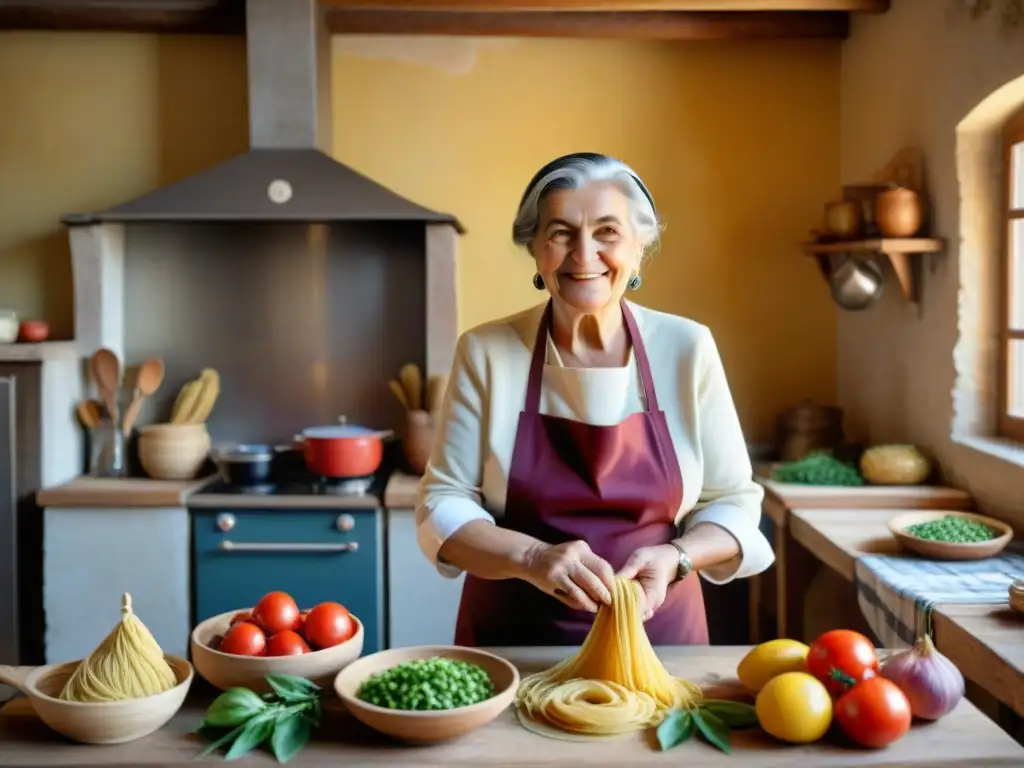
(685, 565)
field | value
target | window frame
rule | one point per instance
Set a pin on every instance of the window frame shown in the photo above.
(1009, 426)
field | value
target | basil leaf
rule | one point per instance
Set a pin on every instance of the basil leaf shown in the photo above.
(233, 707)
(712, 729)
(254, 733)
(219, 742)
(290, 735)
(293, 690)
(734, 714)
(675, 729)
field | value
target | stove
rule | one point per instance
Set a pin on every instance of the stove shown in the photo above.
(312, 486)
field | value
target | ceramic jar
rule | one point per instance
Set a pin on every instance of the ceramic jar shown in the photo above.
(899, 212)
(9, 326)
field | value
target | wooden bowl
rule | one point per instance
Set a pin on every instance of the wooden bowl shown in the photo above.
(104, 722)
(172, 432)
(938, 550)
(433, 726)
(226, 670)
(168, 455)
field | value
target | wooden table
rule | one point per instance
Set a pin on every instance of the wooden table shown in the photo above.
(986, 642)
(964, 737)
(780, 499)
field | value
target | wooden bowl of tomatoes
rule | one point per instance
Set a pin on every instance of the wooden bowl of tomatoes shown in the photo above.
(275, 637)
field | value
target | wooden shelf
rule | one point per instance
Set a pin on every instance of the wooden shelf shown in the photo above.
(900, 251)
(28, 353)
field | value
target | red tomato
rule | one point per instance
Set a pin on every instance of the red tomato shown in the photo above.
(841, 658)
(241, 616)
(244, 639)
(275, 612)
(329, 624)
(874, 713)
(287, 642)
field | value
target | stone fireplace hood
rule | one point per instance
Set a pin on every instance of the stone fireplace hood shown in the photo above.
(288, 174)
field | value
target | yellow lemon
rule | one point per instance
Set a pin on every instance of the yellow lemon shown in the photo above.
(794, 707)
(769, 660)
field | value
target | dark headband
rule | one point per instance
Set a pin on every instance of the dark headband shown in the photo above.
(564, 160)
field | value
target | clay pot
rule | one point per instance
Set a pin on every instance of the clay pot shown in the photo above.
(419, 439)
(899, 212)
(33, 331)
(843, 218)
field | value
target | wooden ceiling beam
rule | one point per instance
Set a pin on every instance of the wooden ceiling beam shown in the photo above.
(612, 6)
(623, 26)
(211, 17)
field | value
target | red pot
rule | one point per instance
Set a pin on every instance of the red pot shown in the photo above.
(343, 450)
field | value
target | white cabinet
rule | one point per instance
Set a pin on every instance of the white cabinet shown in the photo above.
(91, 556)
(422, 604)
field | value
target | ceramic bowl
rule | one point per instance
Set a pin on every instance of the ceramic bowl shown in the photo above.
(225, 670)
(938, 550)
(105, 722)
(434, 726)
(173, 454)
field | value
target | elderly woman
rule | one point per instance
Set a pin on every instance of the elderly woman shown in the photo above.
(588, 437)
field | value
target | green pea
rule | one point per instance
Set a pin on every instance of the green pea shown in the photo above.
(952, 529)
(428, 684)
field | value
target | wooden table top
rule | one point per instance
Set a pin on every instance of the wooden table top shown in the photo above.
(964, 737)
(800, 496)
(838, 537)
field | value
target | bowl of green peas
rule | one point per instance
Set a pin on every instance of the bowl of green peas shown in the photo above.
(941, 535)
(429, 693)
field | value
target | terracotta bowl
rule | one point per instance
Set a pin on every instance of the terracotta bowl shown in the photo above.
(106, 722)
(225, 670)
(938, 550)
(427, 727)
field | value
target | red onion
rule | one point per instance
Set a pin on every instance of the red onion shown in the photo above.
(929, 680)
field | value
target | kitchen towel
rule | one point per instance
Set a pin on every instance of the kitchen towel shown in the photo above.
(897, 593)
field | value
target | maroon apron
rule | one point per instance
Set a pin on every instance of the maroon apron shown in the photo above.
(616, 487)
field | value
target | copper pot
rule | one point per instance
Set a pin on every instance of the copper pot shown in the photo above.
(899, 212)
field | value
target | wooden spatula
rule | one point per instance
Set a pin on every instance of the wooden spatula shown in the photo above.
(107, 371)
(151, 376)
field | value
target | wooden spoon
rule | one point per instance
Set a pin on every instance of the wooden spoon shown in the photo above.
(151, 376)
(90, 413)
(107, 371)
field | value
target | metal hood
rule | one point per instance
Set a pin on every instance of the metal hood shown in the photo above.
(288, 173)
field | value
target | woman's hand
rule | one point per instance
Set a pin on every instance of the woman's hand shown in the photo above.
(572, 573)
(654, 568)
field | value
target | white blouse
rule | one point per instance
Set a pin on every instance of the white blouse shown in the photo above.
(467, 476)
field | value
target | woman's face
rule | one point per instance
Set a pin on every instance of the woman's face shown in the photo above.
(586, 247)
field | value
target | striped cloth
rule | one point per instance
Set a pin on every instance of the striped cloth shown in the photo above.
(897, 593)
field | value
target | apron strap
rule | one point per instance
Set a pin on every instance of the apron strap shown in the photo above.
(533, 386)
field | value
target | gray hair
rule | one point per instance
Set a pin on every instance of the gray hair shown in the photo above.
(575, 172)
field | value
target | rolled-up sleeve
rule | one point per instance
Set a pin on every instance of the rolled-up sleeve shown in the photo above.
(729, 498)
(449, 494)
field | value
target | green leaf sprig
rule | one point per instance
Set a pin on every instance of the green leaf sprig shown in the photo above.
(714, 720)
(286, 718)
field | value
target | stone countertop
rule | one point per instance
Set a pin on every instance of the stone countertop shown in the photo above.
(120, 492)
(965, 737)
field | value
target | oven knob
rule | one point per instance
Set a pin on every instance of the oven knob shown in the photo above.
(345, 523)
(225, 521)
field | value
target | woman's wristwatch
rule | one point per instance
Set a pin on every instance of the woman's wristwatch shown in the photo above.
(685, 564)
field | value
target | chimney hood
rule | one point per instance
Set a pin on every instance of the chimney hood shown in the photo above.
(288, 173)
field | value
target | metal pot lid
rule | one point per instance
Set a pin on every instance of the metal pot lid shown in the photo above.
(339, 432)
(246, 452)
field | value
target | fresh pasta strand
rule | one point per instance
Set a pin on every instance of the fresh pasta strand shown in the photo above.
(128, 664)
(614, 684)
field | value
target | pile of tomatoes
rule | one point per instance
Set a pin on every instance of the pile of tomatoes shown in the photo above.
(802, 690)
(276, 627)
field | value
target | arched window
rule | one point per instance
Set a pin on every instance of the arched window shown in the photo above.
(1011, 377)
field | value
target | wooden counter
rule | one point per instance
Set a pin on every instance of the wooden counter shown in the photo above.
(800, 496)
(120, 492)
(401, 491)
(965, 737)
(986, 642)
